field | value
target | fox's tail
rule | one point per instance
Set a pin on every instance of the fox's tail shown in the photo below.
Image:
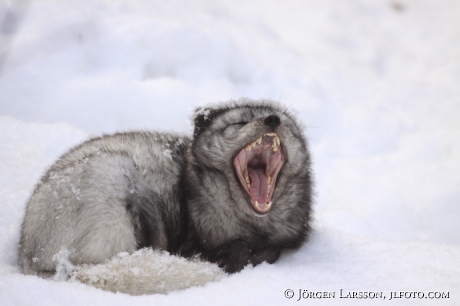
(147, 272)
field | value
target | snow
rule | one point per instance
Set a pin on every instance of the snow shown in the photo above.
(374, 81)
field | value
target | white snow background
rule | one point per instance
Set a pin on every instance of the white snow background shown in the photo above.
(376, 83)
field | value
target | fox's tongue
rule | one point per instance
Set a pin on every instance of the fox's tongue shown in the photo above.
(259, 186)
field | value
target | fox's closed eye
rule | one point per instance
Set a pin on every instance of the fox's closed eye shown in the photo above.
(240, 123)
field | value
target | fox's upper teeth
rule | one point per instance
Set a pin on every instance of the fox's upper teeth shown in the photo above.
(258, 141)
(250, 146)
(276, 143)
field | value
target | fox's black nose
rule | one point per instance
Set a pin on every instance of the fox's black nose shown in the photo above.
(272, 121)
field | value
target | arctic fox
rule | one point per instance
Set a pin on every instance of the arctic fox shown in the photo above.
(237, 192)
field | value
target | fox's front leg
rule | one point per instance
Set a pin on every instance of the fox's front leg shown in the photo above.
(232, 256)
(269, 255)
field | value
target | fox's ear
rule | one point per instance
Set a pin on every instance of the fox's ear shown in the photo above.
(203, 117)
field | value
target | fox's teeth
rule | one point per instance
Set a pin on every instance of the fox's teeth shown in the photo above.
(269, 179)
(276, 143)
(246, 177)
(257, 204)
(269, 204)
(250, 146)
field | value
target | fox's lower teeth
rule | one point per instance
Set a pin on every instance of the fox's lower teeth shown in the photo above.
(246, 177)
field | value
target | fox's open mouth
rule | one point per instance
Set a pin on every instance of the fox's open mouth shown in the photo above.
(257, 166)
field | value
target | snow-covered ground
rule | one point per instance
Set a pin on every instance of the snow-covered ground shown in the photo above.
(374, 81)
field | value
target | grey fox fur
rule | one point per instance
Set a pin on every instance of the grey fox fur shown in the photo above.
(237, 192)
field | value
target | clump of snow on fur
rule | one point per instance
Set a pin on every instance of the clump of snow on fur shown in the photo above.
(64, 267)
(148, 271)
(204, 111)
(168, 153)
(201, 111)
